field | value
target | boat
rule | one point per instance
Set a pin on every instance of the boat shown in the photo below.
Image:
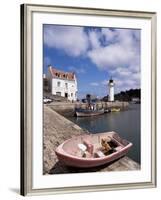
(107, 111)
(115, 109)
(88, 113)
(92, 150)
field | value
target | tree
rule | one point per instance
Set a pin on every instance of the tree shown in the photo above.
(128, 95)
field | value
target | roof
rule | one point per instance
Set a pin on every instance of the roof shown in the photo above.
(61, 74)
(111, 80)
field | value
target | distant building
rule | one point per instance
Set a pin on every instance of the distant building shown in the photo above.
(62, 83)
(111, 90)
(135, 100)
(91, 98)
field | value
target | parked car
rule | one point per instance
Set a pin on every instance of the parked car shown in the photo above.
(47, 100)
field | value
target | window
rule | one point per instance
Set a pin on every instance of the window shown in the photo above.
(66, 85)
(57, 74)
(58, 83)
(71, 94)
(58, 93)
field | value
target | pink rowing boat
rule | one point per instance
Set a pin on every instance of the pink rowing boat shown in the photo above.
(92, 150)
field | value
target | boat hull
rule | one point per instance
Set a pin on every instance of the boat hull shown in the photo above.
(115, 109)
(79, 162)
(89, 113)
(107, 111)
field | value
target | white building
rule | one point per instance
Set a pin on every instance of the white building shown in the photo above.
(62, 83)
(111, 90)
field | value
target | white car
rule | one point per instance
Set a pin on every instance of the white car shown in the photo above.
(47, 100)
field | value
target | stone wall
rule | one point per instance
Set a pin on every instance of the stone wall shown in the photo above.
(56, 130)
(68, 108)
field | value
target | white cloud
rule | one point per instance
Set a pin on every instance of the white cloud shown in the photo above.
(124, 50)
(72, 40)
(126, 83)
(120, 71)
(111, 56)
(120, 57)
(94, 84)
(109, 34)
(105, 82)
(136, 76)
(78, 70)
(94, 39)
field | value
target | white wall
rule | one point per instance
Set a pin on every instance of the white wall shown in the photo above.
(71, 88)
(9, 100)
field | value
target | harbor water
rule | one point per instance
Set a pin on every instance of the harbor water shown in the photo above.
(126, 123)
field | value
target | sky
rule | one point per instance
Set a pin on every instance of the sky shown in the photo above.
(95, 54)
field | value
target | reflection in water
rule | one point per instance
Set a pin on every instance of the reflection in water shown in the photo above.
(126, 123)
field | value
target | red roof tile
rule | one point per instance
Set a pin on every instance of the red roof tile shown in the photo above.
(61, 74)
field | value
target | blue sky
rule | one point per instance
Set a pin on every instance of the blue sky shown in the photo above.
(95, 54)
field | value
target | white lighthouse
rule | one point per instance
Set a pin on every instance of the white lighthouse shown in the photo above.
(111, 90)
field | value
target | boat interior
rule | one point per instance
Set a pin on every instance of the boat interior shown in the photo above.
(94, 145)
